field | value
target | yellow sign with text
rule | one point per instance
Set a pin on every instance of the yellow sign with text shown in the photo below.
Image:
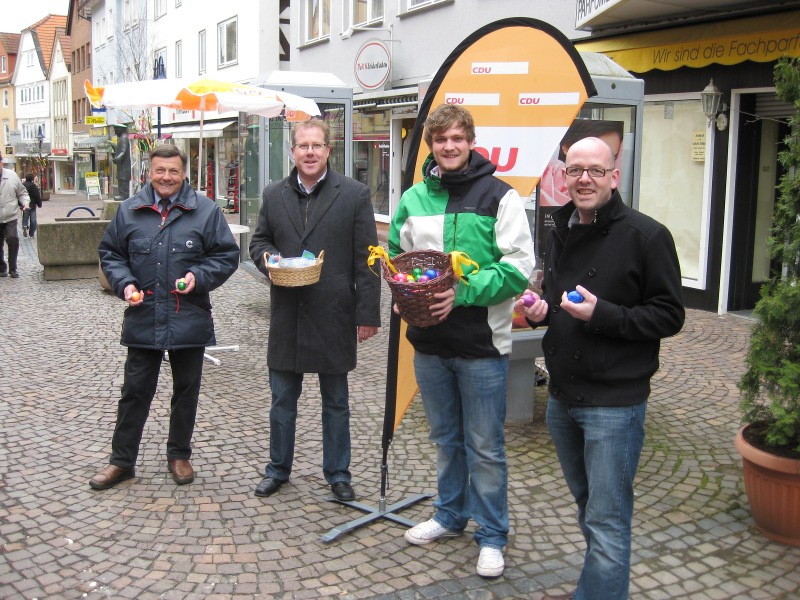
(730, 43)
(101, 120)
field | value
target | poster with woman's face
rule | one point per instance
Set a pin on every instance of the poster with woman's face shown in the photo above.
(552, 189)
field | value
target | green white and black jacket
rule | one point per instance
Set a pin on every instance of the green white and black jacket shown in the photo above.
(481, 215)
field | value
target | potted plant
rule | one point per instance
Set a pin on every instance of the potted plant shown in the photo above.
(769, 441)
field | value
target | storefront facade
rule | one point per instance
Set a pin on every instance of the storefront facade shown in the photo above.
(712, 180)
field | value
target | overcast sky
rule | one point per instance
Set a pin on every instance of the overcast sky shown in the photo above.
(16, 16)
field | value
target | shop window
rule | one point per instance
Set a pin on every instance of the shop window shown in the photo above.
(372, 156)
(684, 158)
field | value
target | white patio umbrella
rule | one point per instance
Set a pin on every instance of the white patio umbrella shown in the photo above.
(201, 95)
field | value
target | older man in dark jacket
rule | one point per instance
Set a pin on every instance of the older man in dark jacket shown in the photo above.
(164, 251)
(313, 329)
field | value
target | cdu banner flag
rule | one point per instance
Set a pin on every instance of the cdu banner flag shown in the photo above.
(524, 83)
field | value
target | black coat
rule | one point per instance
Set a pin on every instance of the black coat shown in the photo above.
(33, 194)
(137, 249)
(312, 329)
(628, 260)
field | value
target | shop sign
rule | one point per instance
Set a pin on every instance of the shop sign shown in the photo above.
(59, 152)
(92, 183)
(372, 65)
(95, 120)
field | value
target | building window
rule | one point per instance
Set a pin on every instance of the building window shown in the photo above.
(160, 63)
(408, 5)
(318, 19)
(111, 24)
(179, 58)
(201, 52)
(227, 42)
(5, 98)
(159, 8)
(3, 64)
(367, 11)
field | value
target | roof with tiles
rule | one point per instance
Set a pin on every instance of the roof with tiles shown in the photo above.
(44, 35)
(10, 42)
(9, 45)
(66, 46)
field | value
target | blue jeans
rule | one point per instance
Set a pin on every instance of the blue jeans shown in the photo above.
(465, 402)
(29, 216)
(599, 450)
(286, 387)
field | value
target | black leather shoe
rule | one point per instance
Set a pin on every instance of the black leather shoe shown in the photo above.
(3, 273)
(268, 486)
(14, 274)
(343, 491)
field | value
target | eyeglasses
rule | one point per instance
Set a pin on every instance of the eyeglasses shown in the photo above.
(314, 147)
(594, 172)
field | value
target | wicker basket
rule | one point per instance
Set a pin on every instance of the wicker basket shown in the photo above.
(295, 276)
(414, 299)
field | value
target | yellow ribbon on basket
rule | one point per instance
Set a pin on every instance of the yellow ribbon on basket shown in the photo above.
(461, 260)
(377, 252)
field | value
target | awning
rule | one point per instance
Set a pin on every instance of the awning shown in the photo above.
(93, 141)
(213, 129)
(759, 39)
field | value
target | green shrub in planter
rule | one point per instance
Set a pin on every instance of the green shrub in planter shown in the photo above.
(771, 384)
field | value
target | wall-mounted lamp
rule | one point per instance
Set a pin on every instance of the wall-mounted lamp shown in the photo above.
(713, 107)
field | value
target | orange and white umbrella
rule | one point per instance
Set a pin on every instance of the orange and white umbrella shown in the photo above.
(201, 95)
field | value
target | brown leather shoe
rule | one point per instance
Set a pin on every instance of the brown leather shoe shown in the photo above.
(558, 597)
(110, 476)
(181, 470)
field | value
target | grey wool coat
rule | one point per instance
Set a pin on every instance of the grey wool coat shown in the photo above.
(312, 328)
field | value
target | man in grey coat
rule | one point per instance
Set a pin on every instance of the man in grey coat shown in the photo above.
(314, 328)
(13, 196)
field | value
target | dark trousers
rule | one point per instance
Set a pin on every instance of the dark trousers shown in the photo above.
(9, 235)
(141, 377)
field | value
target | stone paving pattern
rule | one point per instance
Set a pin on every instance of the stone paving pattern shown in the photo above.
(148, 538)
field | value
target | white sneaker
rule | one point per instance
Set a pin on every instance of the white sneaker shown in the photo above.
(426, 532)
(490, 562)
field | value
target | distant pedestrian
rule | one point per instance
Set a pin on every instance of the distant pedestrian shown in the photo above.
(29, 222)
(601, 349)
(165, 249)
(13, 196)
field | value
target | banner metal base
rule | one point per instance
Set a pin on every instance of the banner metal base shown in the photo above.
(373, 514)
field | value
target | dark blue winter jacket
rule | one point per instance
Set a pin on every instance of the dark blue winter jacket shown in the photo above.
(138, 248)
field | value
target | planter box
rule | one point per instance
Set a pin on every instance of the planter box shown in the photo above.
(68, 248)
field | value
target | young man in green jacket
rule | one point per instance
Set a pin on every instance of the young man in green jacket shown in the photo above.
(461, 363)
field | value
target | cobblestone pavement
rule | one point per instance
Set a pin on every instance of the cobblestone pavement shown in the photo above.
(148, 538)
